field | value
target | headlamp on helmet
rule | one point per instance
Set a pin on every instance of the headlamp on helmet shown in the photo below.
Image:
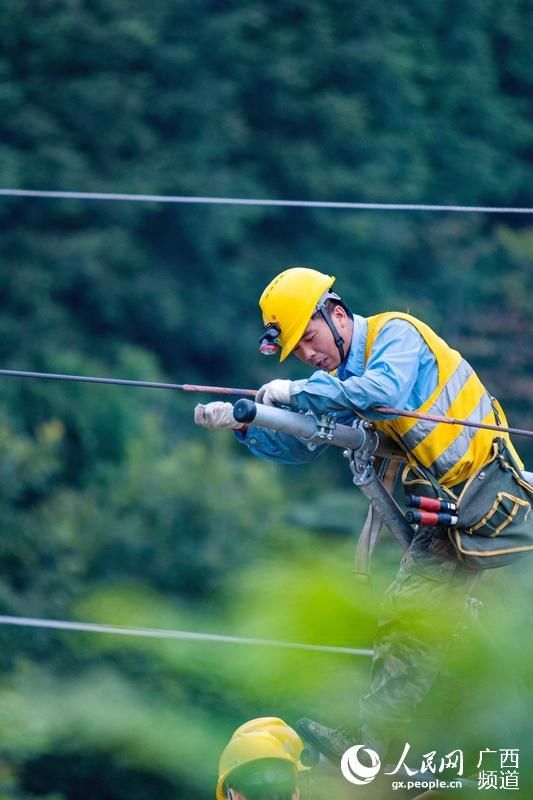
(269, 340)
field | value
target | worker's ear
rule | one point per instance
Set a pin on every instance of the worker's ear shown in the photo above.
(339, 312)
(340, 317)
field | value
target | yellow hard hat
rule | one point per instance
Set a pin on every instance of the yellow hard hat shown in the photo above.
(264, 737)
(290, 300)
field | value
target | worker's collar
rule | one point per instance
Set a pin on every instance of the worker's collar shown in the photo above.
(354, 363)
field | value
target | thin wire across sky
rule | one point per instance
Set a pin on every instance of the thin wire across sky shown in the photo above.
(246, 201)
(161, 633)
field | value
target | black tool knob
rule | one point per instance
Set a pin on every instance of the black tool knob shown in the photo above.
(244, 411)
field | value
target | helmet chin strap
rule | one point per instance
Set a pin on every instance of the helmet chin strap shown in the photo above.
(321, 308)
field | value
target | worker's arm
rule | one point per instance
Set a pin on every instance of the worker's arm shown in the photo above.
(400, 371)
(391, 377)
(277, 446)
(398, 355)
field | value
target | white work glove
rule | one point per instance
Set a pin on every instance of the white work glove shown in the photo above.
(216, 415)
(275, 393)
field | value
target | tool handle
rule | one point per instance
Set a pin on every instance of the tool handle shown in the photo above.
(430, 518)
(429, 503)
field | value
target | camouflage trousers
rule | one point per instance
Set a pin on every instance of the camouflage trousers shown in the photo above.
(423, 610)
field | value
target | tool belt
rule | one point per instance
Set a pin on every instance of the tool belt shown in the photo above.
(495, 521)
(494, 518)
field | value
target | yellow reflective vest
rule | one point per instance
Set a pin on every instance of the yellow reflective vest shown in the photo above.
(451, 452)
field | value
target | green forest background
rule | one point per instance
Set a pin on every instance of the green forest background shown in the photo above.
(113, 507)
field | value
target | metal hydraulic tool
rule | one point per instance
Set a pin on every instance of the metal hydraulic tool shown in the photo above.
(361, 444)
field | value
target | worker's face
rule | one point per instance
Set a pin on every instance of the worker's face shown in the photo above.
(317, 346)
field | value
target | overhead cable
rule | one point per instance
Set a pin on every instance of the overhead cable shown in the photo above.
(246, 201)
(400, 412)
(161, 633)
(191, 387)
(184, 387)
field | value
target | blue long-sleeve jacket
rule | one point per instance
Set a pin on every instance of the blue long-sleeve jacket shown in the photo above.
(401, 371)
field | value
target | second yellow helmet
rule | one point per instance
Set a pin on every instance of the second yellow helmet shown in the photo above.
(257, 739)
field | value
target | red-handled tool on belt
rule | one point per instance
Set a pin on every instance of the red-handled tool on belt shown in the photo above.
(430, 518)
(430, 504)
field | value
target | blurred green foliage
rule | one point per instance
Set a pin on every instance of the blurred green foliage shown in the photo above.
(113, 508)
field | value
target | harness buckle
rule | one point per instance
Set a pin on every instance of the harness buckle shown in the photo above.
(361, 461)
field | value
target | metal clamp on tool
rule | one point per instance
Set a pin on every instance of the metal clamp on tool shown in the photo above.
(325, 428)
(361, 460)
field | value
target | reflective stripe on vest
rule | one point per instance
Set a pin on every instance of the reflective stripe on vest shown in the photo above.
(451, 452)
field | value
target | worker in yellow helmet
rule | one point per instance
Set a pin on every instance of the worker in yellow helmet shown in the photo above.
(393, 359)
(261, 762)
